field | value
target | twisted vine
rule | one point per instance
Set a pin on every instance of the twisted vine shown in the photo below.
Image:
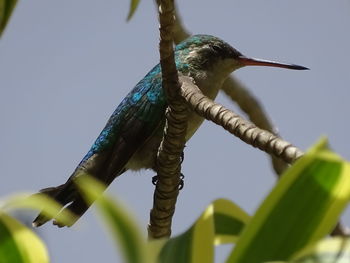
(170, 150)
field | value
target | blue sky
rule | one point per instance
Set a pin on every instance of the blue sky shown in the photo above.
(65, 65)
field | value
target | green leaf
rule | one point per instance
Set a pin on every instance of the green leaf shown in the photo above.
(332, 250)
(220, 223)
(303, 208)
(125, 231)
(229, 221)
(6, 8)
(19, 244)
(39, 202)
(133, 5)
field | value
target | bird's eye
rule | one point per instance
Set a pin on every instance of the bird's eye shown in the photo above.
(216, 48)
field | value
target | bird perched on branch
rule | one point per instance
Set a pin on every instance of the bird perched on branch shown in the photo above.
(132, 135)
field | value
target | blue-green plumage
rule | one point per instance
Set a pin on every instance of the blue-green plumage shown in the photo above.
(133, 133)
(146, 102)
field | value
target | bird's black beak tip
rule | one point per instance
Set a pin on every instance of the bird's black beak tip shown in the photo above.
(298, 67)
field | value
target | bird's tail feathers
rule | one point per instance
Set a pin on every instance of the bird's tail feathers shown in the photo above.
(101, 166)
(65, 194)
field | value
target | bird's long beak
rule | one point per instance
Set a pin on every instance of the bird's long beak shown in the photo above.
(261, 62)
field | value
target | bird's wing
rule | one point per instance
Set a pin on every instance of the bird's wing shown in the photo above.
(131, 124)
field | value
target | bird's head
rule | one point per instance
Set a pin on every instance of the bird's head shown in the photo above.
(205, 52)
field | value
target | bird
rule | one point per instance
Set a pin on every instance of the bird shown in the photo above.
(132, 135)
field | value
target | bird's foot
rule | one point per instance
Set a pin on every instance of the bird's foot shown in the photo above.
(181, 183)
(182, 157)
(155, 180)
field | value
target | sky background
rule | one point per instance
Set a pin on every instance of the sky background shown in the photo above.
(65, 65)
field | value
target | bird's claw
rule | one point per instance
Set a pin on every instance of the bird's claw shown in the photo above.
(182, 157)
(155, 180)
(181, 183)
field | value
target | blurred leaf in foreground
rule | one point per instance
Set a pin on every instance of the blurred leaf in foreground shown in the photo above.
(19, 244)
(303, 208)
(331, 250)
(133, 6)
(6, 9)
(220, 223)
(124, 229)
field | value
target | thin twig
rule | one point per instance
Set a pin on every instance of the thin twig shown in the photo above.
(179, 31)
(340, 230)
(236, 125)
(173, 142)
(255, 112)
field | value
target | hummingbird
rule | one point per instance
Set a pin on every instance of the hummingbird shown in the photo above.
(132, 135)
